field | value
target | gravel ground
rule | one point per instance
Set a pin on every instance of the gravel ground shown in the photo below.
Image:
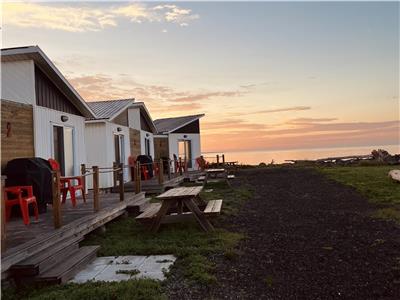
(307, 238)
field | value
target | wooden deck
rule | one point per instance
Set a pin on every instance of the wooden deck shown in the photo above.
(24, 241)
(152, 186)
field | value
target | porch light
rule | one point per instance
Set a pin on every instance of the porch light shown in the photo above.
(119, 129)
(185, 136)
(147, 135)
(64, 118)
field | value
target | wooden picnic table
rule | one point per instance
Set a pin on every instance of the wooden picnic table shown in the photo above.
(180, 197)
(215, 173)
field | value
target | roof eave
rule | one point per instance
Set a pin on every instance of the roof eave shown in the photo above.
(44, 63)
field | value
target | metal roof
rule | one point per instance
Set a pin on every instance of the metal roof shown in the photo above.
(46, 65)
(168, 125)
(108, 109)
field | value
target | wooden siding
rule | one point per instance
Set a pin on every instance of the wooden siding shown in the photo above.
(193, 127)
(134, 137)
(161, 148)
(122, 118)
(48, 95)
(20, 142)
(144, 125)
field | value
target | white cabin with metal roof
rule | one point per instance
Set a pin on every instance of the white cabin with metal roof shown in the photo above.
(179, 137)
(42, 114)
(120, 129)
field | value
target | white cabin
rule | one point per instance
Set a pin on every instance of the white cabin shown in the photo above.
(179, 137)
(42, 114)
(121, 128)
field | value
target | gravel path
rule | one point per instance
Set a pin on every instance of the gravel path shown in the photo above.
(307, 238)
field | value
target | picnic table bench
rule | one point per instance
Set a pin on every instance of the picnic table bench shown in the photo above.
(178, 205)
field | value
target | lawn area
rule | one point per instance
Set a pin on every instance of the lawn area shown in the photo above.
(188, 242)
(373, 182)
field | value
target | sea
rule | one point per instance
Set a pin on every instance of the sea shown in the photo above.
(278, 157)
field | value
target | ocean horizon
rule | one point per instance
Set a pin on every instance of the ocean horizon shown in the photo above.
(254, 157)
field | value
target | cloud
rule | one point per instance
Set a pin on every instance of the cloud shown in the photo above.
(349, 134)
(293, 108)
(208, 95)
(87, 17)
(305, 121)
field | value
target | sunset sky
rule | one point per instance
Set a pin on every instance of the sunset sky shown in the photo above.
(267, 75)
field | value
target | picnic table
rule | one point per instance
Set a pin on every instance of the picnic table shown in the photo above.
(216, 173)
(182, 198)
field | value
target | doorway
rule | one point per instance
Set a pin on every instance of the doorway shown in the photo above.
(119, 148)
(63, 149)
(185, 151)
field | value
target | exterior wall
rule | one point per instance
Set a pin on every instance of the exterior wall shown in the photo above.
(134, 118)
(44, 119)
(196, 146)
(134, 139)
(122, 119)
(19, 142)
(101, 151)
(18, 81)
(95, 135)
(161, 147)
(48, 95)
(142, 142)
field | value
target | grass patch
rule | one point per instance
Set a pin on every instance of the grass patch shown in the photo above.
(186, 241)
(141, 289)
(373, 182)
(128, 272)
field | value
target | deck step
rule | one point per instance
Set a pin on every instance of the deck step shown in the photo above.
(213, 207)
(47, 258)
(64, 271)
(138, 206)
(149, 213)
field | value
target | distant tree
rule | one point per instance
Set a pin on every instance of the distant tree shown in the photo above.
(262, 165)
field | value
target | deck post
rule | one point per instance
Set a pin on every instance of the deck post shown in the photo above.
(161, 172)
(185, 163)
(137, 178)
(169, 169)
(3, 217)
(115, 175)
(223, 159)
(96, 204)
(180, 166)
(121, 182)
(83, 172)
(56, 200)
(217, 159)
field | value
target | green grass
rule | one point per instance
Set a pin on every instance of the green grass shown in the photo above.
(373, 182)
(145, 289)
(186, 241)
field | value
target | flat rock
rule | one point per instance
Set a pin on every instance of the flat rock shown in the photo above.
(112, 268)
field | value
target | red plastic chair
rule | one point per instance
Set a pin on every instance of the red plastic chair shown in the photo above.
(23, 196)
(145, 172)
(67, 184)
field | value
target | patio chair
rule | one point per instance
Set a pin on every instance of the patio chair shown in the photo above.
(22, 196)
(67, 184)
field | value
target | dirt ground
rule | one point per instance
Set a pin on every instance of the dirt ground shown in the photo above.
(307, 237)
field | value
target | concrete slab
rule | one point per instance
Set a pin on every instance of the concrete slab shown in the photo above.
(118, 268)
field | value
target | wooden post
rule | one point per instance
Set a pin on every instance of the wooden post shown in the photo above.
(121, 182)
(96, 190)
(3, 217)
(180, 166)
(185, 165)
(115, 175)
(83, 172)
(138, 178)
(223, 159)
(217, 160)
(169, 169)
(161, 172)
(56, 200)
